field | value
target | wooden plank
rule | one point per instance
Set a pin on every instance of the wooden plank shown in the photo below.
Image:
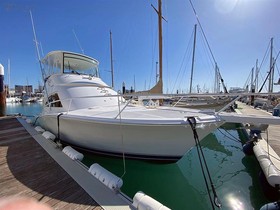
(12, 130)
(27, 170)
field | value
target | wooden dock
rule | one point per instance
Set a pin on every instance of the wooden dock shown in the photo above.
(266, 148)
(273, 131)
(26, 169)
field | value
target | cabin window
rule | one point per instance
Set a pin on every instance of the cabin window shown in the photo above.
(81, 65)
(54, 101)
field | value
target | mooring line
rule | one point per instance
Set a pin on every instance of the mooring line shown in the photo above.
(192, 122)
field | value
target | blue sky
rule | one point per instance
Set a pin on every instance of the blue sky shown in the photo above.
(238, 32)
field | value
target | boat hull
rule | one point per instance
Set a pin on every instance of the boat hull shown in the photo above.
(141, 141)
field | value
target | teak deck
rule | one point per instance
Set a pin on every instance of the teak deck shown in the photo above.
(27, 170)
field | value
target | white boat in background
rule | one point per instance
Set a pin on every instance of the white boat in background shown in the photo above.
(11, 99)
(40, 99)
(83, 111)
(28, 99)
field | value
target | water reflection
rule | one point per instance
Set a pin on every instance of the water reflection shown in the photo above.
(234, 202)
(234, 175)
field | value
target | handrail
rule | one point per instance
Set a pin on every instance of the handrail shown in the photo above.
(200, 95)
(229, 104)
(123, 108)
(132, 96)
(178, 101)
(180, 95)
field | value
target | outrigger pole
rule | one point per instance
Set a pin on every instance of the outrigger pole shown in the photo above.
(37, 51)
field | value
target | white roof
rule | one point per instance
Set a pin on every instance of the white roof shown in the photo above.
(59, 53)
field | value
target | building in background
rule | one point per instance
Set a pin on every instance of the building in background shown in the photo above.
(23, 89)
(39, 90)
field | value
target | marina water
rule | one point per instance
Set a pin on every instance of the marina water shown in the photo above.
(181, 185)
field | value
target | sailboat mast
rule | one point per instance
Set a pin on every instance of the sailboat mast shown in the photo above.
(111, 53)
(252, 80)
(194, 43)
(257, 76)
(38, 54)
(160, 38)
(271, 73)
(158, 87)
(9, 78)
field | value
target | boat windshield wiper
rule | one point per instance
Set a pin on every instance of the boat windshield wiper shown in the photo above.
(72, 70)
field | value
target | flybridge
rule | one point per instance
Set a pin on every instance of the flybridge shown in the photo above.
(57, 62)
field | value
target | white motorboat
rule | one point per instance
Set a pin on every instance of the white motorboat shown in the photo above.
(12, 99)
(83, 111)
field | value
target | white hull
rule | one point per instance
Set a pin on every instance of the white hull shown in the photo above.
(12, 100)
(142, 141)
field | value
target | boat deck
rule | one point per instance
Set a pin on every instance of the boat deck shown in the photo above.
(26, 169)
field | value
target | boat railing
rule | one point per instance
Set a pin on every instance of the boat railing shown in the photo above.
(121, 110)
(126, 99)
(181, 98)
(194, 99)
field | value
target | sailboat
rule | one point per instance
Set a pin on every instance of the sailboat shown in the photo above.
(198, 101)
(10, 99)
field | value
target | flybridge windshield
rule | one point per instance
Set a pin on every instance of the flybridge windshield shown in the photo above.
(77, 64)
(59, 62)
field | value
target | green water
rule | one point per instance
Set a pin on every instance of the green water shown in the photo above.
(180, 185)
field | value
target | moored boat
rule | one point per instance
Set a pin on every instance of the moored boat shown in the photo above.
(84, 111)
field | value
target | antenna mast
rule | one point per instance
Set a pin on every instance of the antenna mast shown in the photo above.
(194, 42)
(37, 50)
(111, 54)
(78, 41)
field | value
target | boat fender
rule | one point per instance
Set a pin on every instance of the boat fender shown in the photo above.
(72, 153)
(48, 135)
(141, 201)
(271, 172)
(270, 192)
(28, 120)
(255, 131)
(39, 129)
(248, 146)
(106, 177)
(271, 206)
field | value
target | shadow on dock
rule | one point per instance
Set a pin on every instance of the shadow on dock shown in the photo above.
(27, 170)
